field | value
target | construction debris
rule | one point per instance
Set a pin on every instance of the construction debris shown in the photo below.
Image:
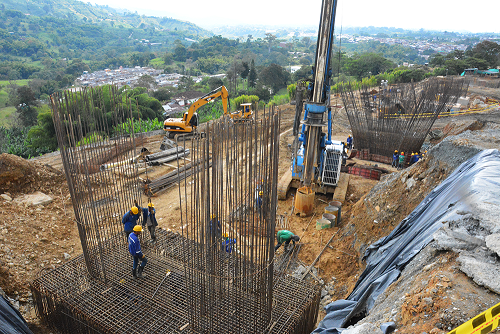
(162, 183)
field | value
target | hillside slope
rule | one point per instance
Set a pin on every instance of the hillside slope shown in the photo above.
(84, 11)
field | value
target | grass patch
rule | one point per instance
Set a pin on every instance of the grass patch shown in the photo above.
(22, 82)
(157, 62)
(4, 98)
(7, 116)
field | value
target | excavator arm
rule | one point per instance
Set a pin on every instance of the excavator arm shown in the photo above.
(183, 125)
(219, 92)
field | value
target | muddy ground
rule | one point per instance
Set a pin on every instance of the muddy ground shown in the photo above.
(35, 239)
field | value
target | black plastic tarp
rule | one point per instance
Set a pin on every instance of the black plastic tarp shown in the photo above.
(11, 321)
(475, 181)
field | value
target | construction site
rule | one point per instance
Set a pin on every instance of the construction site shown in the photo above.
(67, 266)
(378, 246)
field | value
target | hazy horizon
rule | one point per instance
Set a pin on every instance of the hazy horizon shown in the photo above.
(425, 14)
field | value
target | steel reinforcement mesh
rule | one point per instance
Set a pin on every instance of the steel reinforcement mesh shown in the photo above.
(230, 208)
(71, 301)
(92, 128)
(217, 275)
(398, 117)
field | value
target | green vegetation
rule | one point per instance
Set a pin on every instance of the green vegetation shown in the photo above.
(139, 126)
(211, 111)
(44, 52)
(7, 116)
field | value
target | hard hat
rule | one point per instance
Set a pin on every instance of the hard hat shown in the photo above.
(395, 151)
(261, 193)
(226, 235)
(212, 216)
(137, 228)
(151, 205)
(134, 210)
(349, 136)
(402, 153)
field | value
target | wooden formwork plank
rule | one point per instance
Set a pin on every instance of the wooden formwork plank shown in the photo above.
(341, 189)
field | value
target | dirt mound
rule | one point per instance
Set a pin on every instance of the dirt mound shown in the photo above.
(18, 175)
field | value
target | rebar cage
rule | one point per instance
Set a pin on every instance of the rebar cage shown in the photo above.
(398, 117)
(216, 275)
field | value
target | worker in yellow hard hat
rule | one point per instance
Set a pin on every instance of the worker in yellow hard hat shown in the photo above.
(259, 200)
(134, 248)
(149, 219)
(129, 219)
(395, 158)
(349, 142)
(228, 243)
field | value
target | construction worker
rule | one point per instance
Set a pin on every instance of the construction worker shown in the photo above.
(413, 158)
(416, 157)
(228, 243)
(284, 236)
(129, 220)
(259, 200)
(349, 142)
(395, 159)
(215, 229)
(401, 160)
(134, 247)
(149, 219)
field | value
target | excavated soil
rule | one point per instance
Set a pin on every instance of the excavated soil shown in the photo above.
(34, 239)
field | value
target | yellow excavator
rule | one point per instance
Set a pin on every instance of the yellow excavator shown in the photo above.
(244, 114)
(185, 127)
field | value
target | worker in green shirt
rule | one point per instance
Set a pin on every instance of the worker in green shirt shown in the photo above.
(402, 159)
(285, 236)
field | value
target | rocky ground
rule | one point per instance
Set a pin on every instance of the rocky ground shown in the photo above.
(433, 295)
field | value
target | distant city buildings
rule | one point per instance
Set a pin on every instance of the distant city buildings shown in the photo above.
(119, 77)
(129, 76)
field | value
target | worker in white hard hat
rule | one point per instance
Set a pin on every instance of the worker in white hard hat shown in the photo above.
(134, 247)
(129, 220)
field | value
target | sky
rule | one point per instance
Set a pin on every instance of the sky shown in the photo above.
(450, 15)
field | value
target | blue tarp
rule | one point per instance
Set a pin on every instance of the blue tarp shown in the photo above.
(11, 321)
(475, 181)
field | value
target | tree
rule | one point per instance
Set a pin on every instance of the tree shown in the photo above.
(367, 65)
(303, 72)
(233, 72)
(42, 137)
(252, 75)
(186, 82)
(180, 52)
(275, 77)
(246, 69)
(25, 102)
(487, 50)
(214, 83)
(146, 81)
(168, 58)
(270, 38)
(162, 94)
